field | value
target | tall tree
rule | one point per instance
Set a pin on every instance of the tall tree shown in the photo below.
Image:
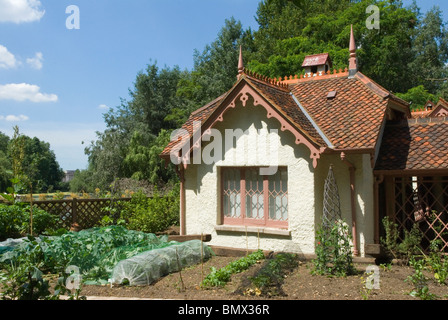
(33, 163)
(5, 163)
(215, 70)
(324, 26)
(133, 127)
(430, 47)
(41, 166)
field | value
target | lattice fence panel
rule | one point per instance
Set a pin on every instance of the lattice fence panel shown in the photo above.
(423, 200)
(61, 208)
(87, 213)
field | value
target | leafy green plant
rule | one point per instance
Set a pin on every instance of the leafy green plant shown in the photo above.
(437, 262)
(419, 280)
(11, 220)
(23, 276)
(15, 221)
(95, 251)
(43, 222)
(220, 277)
(334, 251)
(24, 279)
(153, 214)
(269, 279)
(401, 249)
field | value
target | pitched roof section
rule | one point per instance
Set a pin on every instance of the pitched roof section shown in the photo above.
(352, 116)
(284, 102)
(417, 144)
(441, 109)
(275, 93)
(431, 110)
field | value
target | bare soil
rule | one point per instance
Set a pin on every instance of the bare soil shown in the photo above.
(299, 284)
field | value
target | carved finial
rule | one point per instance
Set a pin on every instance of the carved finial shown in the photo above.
(241, 63)
(353, 67)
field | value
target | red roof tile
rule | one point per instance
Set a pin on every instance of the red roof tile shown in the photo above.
(282, 99)
(353, 118)
(418, 144)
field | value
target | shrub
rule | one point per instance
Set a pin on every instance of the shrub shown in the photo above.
(11, 220)
(152, 215)
(43, 222)
(15, 221)
(401, 249)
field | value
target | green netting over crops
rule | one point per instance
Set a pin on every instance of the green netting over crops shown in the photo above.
(97, 252)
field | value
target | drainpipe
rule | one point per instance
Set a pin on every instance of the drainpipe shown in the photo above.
(181, 173)
(352, 169)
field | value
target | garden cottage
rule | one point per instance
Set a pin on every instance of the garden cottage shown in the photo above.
(253, 162)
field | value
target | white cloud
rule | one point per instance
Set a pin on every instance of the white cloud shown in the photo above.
(36, 62)
(19, 11)
(103, 106)
(7, 59)
(13, 118)
(24, 91)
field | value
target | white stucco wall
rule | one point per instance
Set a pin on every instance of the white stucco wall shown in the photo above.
(363, 193)
(305, 186)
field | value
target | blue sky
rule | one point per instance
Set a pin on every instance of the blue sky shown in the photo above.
(56, 83)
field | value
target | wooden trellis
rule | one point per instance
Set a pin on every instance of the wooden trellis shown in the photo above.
(422, 200)
(332, 206)
(87, 213)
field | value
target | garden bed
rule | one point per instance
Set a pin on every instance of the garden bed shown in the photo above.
(251, 277)
(299, 284)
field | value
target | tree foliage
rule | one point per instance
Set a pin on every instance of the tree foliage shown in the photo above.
(5, 163)
(30, 161)
(407, 55)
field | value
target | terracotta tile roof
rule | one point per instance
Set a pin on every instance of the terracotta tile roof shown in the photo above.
(353, 118)
(350, 120)
(281, 98)
(417, 144)
(420, 114)
(431, 110)
(278, 95)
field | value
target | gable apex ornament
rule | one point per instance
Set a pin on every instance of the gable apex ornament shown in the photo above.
(353, 64)
(240, 63)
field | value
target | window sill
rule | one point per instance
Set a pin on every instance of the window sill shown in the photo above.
(252, 229)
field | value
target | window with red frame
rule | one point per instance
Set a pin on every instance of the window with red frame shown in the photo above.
(251, 199)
